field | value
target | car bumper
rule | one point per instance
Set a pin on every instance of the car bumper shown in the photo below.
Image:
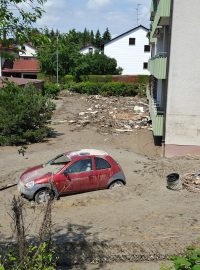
(25, 192)
(29, 193)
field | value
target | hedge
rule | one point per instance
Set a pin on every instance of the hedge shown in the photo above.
(108, 89)
(96, 78)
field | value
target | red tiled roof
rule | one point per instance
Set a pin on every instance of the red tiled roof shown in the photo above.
(21, 65)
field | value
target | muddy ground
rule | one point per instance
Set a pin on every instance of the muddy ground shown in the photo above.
(143, 221)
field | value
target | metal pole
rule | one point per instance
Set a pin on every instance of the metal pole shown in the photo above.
(57, 59)
(137, 9)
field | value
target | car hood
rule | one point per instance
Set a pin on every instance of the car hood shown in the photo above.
(39, 172)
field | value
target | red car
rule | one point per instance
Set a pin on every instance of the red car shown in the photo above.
(71, 172)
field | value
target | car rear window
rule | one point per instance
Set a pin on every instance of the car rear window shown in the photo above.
(101, 164)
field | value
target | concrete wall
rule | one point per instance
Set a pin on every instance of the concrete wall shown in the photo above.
(130, 57)
(183, 101)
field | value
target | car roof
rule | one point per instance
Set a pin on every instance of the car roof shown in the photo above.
(86, 152)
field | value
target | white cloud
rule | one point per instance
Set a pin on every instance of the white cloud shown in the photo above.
(97, 4)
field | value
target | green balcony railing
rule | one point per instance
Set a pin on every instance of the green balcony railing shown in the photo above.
(162, 13)
(158, 67)
(157, 118)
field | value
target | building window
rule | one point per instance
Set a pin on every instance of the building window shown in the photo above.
(147, 48)
(145, 65)
(131, 41)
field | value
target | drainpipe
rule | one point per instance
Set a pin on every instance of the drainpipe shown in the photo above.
(168, 64)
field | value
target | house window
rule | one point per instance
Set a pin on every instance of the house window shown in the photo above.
(147, 48)
(23, 48)
(145, 65)
(131, 41)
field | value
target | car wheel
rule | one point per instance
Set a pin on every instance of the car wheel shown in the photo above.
(43, 196)
(116, 184)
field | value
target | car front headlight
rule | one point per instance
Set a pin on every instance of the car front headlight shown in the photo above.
(30, 184)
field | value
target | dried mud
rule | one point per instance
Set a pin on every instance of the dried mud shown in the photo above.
(144, 221)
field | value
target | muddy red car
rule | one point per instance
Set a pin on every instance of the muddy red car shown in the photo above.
(69, 173)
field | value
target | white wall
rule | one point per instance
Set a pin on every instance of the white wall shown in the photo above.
(87, 50)
(28, 52)
(130, 57)
(183, 101)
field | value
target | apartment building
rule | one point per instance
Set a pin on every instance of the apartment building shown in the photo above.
(174, 93)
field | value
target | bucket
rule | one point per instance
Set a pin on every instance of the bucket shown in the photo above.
(174, 181)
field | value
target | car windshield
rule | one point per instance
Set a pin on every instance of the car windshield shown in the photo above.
(58, 160)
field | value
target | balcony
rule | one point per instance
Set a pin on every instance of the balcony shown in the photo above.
(161, 17)
(158, 66)
(157, 118)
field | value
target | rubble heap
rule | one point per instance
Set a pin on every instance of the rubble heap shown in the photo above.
(191, 181)
(113, 114)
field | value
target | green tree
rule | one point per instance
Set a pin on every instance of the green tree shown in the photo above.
(24, 115)
(95, 64)
(92, 40)
(17, 18)
(68, 53)
(106, 36)
(86, 37)
(98, 40)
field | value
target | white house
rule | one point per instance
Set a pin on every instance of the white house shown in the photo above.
(89, 49)
(131, 50)
(27, 51)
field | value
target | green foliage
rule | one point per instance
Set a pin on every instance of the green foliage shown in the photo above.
(51, 89)
(143, 79)
(98, 39)
(16, 21)
(106, 36)
(69, 78)
(106, 89)
(24, 115)
(98, 64)
(68, 55)
(96, 78)
(36, 258)
(190, 261)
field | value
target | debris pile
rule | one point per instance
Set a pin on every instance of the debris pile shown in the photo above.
(113, 114)
(191, 181)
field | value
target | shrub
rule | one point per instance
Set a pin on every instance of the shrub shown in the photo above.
(51, 89)
(106, 89)
(89, 88)
(24, 115)
(119, 89)
(97, 78)
(143, 79)
(69, 78)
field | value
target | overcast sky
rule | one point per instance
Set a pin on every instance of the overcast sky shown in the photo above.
(118, 15)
